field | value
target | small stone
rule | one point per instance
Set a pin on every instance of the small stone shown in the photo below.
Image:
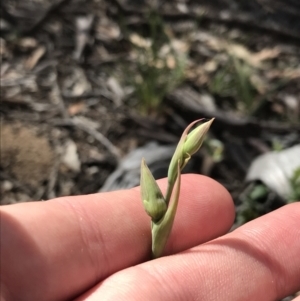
(7, 186)
(70, 157)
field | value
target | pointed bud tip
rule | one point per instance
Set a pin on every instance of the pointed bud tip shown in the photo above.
(195, 139)
(209, 122)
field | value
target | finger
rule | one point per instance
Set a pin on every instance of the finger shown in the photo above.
(64, 246)
(259, 261)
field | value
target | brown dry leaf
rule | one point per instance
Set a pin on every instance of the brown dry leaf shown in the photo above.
(4, 53)
(241, 52)
(83, 27)
(216, 44)
(260, 84)
(159, 64)
(286, 73)
(140, 41)
(238, 50)
(198, 76)
(253, 59)
(103, 53)
(292, 73)
(107, 30)
(171, 62)
(115, 87)
(219, 44)
(34, 58)
(4, 67)
(210, 66)
(76, 83)
(27, 43)
(76, 108)
(180, 46)
(266, 54)
(278, 108)
(70, 156)
(292, 103)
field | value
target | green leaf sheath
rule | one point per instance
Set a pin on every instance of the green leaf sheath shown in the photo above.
(162, 229)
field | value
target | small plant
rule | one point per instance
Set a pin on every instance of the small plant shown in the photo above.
(295, 185)
(159, 66)
(162, 209)
(256, 200)
(234, 80)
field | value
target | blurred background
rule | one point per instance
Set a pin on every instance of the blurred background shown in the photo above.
(89, 87)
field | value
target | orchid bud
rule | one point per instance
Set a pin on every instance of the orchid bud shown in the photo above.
(178, 157)
(152, 197)
(195, 138)
(187, 146)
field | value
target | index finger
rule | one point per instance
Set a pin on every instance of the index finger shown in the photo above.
(258, 261)
(54, 250)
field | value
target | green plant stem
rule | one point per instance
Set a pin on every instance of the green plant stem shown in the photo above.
(162, 229)
(169, 192)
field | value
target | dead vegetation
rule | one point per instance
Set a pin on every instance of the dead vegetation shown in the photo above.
(84, 83)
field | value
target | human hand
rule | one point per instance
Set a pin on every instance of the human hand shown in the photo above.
(97, 247)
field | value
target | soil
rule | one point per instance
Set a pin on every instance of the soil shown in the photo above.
(69, 76)
(28, 156)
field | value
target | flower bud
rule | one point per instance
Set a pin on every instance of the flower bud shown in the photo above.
(187, 146)
(195, 138)
(153, 200)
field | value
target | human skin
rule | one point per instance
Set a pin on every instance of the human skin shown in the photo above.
(97, 247)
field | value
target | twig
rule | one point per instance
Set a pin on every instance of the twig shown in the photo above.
(92, 94)
(50, 193)
(96, 134)
(57, 99)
